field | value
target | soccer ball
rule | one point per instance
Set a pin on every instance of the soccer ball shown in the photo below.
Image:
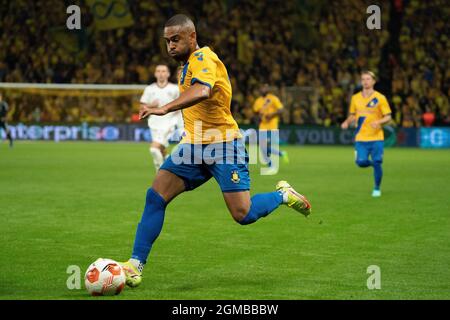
(104, 277)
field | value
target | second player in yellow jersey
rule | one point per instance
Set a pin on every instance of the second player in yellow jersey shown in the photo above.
(269, 109)
(370, 110)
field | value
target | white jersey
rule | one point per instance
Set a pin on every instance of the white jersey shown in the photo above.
(163, 96)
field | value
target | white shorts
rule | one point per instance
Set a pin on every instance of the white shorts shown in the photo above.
(162, 136)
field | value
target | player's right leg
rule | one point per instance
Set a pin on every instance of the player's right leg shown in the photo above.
(362, 151)
(166, 186)
(173, 178)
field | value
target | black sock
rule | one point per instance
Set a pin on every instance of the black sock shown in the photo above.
(8, 135)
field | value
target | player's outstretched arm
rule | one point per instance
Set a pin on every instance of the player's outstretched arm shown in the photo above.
(351, 118)
(195, 94)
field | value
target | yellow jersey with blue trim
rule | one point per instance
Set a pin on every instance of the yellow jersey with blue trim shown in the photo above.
(210, 120)
(367, 110)
(267, 105)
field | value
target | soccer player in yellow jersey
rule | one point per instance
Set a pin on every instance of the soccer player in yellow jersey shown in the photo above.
(211, 147)
(370, 110)
(269, 109)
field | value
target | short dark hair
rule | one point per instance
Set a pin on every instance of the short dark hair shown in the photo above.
(162, 64)
(178, 20)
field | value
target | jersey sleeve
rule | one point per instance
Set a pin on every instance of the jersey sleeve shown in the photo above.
(146, 96)
(277, 103)
(203, 70)
(352, 109)
(384, 106)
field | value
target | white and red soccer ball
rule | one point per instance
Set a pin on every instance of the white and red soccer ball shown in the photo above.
(104, 277)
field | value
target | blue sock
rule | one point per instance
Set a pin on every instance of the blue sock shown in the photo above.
(266, 155)
(275, 152)
(378, 174)
(150, 226)
(262, 205)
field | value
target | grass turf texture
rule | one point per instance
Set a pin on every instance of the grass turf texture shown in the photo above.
(70, 203)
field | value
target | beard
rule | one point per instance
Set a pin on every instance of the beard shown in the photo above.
(181, 56)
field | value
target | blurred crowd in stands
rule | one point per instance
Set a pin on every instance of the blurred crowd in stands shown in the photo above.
(311, 52)
(421, 77)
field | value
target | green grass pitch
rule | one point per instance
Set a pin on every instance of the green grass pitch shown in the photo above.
(67, 204)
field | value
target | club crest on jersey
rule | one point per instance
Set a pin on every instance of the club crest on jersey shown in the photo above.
(199, 56)
(235, 176)
(372, 103)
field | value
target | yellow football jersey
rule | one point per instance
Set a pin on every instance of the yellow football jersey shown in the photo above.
(267, 105)
(368, 110)
(210, 120)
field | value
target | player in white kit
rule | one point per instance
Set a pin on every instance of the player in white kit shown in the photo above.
(162, 128)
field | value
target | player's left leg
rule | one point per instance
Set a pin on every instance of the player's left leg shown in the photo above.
(263, 142)
(8, 133)
(246, 210)
(377, 160)
(157, 155)
(269, 147)
(273, 148)
(234, 180)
